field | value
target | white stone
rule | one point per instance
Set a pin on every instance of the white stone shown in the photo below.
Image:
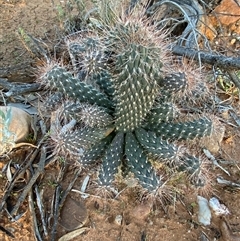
(204, 212)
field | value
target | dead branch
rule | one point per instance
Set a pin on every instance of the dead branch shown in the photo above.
(221, 61)
(28, 187)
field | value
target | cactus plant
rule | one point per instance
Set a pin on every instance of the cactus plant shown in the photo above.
(121, 81)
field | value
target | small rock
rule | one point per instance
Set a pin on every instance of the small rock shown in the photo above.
(118, 219)
(204, 212)
(73, 214)
(217, 207)
(15, 127)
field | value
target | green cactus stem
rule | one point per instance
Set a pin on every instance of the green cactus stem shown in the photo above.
(85, 138)
(184, 130)
(73, 88)
(135, 87)
(103, 80)
(53, 101)
(189, 164)
(139, 164)
(96, 151)
(156, 146)
(123, 99)
(167, 152)
(89, 115)
(174, 83)
(162, 112)
(111, 160)
(88, 54)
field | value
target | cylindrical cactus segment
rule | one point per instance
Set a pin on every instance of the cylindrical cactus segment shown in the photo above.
(73, 88)
(91, 116)
(135, 87)
(96, 151)
(111, 160)
(174, 83)
(87, 54)
(139, 164)
(84, 138)
(156, 146)
(165, 111)
(95, 116)
(184, 130)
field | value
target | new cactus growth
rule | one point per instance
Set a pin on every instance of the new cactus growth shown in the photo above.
(122, 97)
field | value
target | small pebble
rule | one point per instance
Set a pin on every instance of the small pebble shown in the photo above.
(204, 213)
(118, 219)
(219, 209)
(73, 214)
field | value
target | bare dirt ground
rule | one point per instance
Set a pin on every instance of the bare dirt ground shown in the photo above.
(17, 19)
(128, 216)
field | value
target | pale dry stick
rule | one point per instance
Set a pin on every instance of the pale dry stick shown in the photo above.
(55, 212)
(34, 218)
(86, 194)
(91, 195)
(38, 47)
(55, 202)
(192, 13)
(230, 158)
(34, 178)
(41, 210)
(50, 217)
(220, 180)
(3, 98)
(21, 170)
(70, 186)
(6, 231)
(235, 117)
(73, 234)
(204, 236)
(5, 84)
(20, 89)
(84, 186)
(214, 161)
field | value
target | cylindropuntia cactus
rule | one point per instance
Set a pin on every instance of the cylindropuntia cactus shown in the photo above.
(124, 102)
